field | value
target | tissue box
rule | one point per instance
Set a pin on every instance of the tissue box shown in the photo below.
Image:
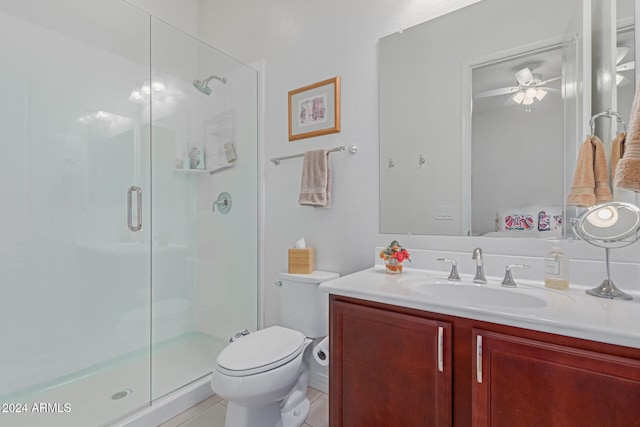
(302, 261)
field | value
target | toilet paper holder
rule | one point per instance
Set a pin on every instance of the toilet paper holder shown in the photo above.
(321, 352)
(321, 355)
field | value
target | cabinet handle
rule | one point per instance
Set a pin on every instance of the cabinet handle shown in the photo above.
(440, 349)
(479, 359)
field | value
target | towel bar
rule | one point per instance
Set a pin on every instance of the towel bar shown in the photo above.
(352, 149)
(608, 114)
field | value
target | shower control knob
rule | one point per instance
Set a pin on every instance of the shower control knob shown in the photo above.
(223, 203)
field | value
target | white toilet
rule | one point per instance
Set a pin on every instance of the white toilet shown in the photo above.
(264, 375)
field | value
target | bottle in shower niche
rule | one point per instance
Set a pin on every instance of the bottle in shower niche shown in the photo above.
(556, 268)
(199, 159)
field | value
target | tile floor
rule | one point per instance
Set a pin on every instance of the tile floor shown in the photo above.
(211, 412)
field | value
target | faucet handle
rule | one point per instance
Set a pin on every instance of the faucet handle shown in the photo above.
(508, 281)
(454, 269)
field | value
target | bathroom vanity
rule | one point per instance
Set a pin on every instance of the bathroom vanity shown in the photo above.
(417, 350)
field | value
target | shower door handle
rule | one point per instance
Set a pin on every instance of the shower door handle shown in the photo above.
(138, 192)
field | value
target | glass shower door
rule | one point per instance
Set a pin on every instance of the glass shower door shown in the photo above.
(73, 272)
(204, 259)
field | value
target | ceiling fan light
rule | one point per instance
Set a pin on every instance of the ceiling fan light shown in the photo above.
(519, 97)
(158, 84)
(540, 93)
(530, 93)
(146, 87)
(527, 101)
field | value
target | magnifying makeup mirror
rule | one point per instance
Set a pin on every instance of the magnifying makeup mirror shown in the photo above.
(609, 225)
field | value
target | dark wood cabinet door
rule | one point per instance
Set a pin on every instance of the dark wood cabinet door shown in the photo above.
(522, 382)
(388, 369)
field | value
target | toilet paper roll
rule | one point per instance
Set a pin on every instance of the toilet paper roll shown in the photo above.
(321, 352)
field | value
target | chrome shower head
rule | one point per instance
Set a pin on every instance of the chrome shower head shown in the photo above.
(203, 85)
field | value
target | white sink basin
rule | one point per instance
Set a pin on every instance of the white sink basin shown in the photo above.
(473, 294)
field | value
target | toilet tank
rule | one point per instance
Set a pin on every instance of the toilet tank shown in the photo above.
(302, 306)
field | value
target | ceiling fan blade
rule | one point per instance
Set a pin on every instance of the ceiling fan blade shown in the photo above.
(626, 66)
(544, 82)
(621, 52)
(496, 92)
(509, 102)
(622, 80)
(548, 89)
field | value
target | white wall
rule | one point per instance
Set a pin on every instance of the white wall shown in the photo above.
(182, 14)
(507, 142)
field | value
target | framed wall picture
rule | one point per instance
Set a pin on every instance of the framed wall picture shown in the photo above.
(315, 109)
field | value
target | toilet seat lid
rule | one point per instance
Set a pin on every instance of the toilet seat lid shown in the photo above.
(260, 351)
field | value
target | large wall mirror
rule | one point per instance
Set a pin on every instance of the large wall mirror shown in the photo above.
(481, 114)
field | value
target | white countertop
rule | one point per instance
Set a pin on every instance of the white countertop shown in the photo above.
(571, 313)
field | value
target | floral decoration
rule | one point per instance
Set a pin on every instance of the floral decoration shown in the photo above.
(395, 253)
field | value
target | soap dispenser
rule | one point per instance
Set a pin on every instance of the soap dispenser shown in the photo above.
(556, 268)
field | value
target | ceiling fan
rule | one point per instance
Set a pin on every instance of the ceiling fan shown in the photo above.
(530, 87)
(621, 52)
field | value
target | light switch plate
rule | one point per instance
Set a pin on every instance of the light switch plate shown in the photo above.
(444, 212)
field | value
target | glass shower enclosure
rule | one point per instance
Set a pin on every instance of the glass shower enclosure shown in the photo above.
(121, 276)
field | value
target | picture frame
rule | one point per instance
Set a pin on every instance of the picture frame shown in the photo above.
(314, 110)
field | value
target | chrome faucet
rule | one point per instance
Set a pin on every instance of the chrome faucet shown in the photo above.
(508, 281)
(479, 277)
(454, 269)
